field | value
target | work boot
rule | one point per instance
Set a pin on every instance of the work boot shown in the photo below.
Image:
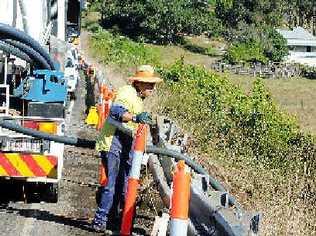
(98, 228)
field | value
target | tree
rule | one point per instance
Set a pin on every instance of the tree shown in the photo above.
(253, 44)
(276, 49)
(163, 21)
(233, 12)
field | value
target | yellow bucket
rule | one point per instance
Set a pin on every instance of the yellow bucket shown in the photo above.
(93, 117)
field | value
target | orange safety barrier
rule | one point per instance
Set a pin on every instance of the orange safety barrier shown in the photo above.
(103, 112)
(101, 119)
(28, 165)
(180, 198)
(133, 180)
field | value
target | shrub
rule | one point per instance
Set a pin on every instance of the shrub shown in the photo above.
(275, 47)
(308, 72)
(262, 45)
(246, 52)
(221, 116)
(122, 51)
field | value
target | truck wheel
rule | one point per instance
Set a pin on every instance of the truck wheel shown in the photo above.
(51, 193)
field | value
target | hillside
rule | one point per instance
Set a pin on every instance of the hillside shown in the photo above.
(242, 134)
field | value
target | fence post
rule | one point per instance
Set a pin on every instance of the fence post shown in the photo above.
(180, 200)
(133, 179)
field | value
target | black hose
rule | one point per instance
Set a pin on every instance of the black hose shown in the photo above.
(8, 32)
(14, 51)
(188, 160)
(74, 141)
(195, 166)
(91, 144)
(38, 59)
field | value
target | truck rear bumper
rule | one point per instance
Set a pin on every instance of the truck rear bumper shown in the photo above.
(31, 167)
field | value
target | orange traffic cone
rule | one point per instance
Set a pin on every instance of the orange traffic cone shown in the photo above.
(180, 198)
(133, 179)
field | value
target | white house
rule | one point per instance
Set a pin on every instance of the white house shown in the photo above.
(302, 45)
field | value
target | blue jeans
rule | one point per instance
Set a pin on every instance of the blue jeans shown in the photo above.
(113, 193)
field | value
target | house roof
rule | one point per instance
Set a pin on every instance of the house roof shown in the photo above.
(298, 37)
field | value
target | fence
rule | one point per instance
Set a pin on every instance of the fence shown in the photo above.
(273, 70)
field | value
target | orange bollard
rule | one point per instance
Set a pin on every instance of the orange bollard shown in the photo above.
(180, 198)
(133, 179)
(105, 106)
(104, 91)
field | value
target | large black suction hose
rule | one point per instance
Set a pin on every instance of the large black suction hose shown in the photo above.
(37, 58)
(8, 48)
(8, 32)
(74, 141)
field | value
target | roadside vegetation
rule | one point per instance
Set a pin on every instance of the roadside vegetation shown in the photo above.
(238, 132)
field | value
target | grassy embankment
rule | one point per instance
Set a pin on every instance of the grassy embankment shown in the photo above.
(242, 137)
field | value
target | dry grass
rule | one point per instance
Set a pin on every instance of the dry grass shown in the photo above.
(205, 42)
(92, 17)
(170, 54)
(277, 197)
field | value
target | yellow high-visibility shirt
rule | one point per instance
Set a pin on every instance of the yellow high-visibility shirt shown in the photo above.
(127, 97)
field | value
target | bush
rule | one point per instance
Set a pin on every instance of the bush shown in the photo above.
(245, 52)
(264, 44)
(221, 116)
(309, 72)
(122, 51)
(276, 47)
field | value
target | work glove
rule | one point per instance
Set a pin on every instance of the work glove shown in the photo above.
(143, 118)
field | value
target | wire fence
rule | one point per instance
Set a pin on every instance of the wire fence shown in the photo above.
(272, 70)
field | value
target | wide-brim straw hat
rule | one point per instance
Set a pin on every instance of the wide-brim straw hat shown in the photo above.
(146, 74)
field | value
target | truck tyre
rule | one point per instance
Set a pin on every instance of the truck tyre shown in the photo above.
(51, 193)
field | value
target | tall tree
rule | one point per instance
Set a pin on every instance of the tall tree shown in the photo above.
(258, 12)
(160, 20)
